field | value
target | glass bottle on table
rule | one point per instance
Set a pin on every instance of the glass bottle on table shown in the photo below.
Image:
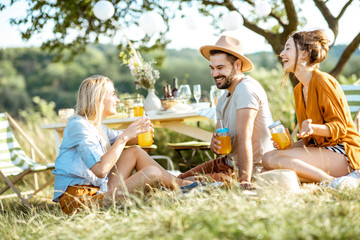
(175, 91)
(170, 96)
(165, 93)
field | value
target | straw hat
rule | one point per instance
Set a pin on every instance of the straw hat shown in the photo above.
(230, 45)
(277, 180)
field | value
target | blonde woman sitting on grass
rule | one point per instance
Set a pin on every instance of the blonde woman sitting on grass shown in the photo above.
(329, 145)
(93, 163)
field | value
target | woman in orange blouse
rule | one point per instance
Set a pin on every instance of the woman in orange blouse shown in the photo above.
(329, 143)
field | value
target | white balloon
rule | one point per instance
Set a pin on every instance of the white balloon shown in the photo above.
(191, 21)
(103, 10)
(232, 20)
(151, 22)
(262, 8)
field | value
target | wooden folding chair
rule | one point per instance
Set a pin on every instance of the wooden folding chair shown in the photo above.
(14, 161)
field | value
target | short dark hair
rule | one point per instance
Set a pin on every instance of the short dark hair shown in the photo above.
(231, 58)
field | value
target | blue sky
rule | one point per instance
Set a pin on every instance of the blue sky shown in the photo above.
(183, 37)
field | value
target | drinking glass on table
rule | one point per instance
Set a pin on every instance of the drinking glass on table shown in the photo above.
(197, 93)
(215, 94)
(138, 107)
(185, 92)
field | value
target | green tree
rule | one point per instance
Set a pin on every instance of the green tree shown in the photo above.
(285, 17)
(12, 89)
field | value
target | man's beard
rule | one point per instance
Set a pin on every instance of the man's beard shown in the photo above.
(228, 80)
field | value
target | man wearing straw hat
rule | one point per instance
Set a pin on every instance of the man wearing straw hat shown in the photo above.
(243, 109)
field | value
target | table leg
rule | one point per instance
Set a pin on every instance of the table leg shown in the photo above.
(58, 137)
(188, 164)
(208, 155)
(194, 132)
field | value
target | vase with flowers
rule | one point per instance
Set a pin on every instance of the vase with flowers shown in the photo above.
(145, 77)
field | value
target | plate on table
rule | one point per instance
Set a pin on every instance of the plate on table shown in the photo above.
(167, 112)
(201, 105)
(152, 113)
(180, 108)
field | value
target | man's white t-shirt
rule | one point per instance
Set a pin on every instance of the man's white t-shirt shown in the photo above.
(248, 94)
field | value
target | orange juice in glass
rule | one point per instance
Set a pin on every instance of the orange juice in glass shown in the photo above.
(138, 111)
(225, 140)
(138, 107)
(145, 139)
(280, 135)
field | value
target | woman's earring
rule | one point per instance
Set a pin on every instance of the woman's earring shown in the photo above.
(303, 63)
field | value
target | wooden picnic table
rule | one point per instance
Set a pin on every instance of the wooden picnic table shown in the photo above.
(173, 121)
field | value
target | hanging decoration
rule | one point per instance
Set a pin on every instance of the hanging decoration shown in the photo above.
(151, 22)
(232, 20)
(262, 8)
(103, 10)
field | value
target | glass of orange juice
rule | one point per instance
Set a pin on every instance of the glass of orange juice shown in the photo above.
(225, 140)
(138, 107)
(145, 139)
(280, 135)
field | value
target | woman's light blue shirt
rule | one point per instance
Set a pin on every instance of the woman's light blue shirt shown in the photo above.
(80, 150)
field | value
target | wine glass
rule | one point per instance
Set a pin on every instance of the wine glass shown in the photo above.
(185, 92)
(197, 93)
(215, 93)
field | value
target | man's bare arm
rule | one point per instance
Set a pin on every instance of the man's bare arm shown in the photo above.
(245, 119)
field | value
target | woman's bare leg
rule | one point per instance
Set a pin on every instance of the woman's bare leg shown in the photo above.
(148, 171)
(312, 164)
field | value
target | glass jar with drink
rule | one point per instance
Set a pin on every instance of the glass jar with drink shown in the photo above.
(144, 139)
(279, 135)
(223, 135)
(138, 107)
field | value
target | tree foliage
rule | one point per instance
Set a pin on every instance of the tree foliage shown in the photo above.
(68, 16)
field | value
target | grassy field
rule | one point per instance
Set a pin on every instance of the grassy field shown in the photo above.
(223, 213)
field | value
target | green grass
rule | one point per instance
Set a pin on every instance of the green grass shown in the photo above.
(230, 213)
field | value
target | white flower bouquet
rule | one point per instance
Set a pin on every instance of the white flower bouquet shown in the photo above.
(145, 75)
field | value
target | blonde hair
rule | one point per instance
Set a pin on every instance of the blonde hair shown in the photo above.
(90, 96)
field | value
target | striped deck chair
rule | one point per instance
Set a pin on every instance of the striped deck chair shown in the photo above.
(14, 161)
(352, 93)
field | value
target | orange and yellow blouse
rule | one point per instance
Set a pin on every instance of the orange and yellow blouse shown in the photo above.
(326, 104)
